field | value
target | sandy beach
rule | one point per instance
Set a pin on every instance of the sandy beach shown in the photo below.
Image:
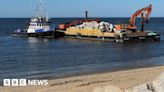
(124, 79)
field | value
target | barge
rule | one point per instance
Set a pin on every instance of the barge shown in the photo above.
(100, 30)
(97, 34)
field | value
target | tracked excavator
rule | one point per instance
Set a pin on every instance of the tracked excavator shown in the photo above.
(145, 16)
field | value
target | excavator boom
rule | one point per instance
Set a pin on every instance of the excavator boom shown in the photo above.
(148, 11)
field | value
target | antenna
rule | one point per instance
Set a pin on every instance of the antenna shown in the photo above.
(40, 11)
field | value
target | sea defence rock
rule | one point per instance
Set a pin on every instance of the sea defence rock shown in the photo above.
(107, 89)
(104, 26)
(141, 88)
(158, 84)
(155, 86)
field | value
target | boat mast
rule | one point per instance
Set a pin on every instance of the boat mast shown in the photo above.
(40, 11)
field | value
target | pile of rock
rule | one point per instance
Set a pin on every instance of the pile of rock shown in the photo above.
(156, 86)
(104, 26)
(107, 89)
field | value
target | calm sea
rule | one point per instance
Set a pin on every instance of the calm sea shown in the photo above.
(22, 57)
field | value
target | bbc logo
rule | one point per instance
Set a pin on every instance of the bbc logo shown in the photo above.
(14, 82)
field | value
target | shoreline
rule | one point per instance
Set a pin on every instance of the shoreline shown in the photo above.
(95, 72)
(124, 79)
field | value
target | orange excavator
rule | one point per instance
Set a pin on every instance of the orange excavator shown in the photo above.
(77, 22)
(132, 24)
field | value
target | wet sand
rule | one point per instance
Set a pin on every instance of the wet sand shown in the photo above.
(123, 79)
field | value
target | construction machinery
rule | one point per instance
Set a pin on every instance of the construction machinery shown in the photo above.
(77, 22)
(144, 12)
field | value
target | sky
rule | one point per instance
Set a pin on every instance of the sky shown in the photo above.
(76, 8)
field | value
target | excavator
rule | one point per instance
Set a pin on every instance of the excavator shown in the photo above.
(77, 22)
(132, 24)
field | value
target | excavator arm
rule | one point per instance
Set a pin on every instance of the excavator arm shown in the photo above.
(146, 10)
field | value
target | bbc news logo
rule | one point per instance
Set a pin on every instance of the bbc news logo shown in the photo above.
(24, 82)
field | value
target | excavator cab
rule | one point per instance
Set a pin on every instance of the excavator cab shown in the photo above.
(125, 26)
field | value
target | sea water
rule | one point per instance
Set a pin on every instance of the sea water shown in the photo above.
(28, 57)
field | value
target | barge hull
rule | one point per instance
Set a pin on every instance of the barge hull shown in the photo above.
(95, 34)
(113, 39)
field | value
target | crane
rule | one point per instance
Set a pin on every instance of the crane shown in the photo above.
(145, 17)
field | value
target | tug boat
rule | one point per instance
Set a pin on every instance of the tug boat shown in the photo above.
(39, 26)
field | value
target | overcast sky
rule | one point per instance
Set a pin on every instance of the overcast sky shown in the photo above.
(76, 8)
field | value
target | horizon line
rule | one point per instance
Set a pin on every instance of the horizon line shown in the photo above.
(80, 17)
